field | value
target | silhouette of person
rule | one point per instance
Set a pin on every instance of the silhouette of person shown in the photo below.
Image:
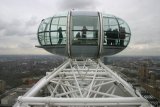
(109, 36)
(105, 37)
(84, 32)
(60, 35)
(122, 35)
(78, 35)
(96, 34)
(114, 37)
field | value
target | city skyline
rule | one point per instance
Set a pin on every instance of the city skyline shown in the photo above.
(20, 20)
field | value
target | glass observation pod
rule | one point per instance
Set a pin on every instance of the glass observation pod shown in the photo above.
(83, 34)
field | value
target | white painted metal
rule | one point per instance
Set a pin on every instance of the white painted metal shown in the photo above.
(82, 83)
(44, 81)
(92, 101)
(68, 33)
(102, 34)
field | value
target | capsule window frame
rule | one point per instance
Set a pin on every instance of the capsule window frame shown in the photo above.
(90, 40)
(112, 41)
(47, 39)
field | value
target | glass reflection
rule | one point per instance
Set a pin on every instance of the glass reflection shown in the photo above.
(116, 31)
(52, 31)
(85, 30)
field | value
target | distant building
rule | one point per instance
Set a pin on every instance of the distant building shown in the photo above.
(150, 80)
(10, 99)
(143, 73)
(2, 86)
(12, 95)
(31, 81)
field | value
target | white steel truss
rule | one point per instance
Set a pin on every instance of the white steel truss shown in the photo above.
(82, 83)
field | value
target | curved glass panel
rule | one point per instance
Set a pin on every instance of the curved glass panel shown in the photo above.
(52, 31)
(85, 30)
(58, 30)
(111, 34)
(116, 31)
(44, 26)
(124, 25)
(43, 30)
(55, 20)
(124, 32)
(41, 38)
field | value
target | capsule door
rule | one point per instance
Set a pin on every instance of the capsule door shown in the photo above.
(84, 34)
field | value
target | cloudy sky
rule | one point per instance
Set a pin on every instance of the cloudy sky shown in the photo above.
(19, 20)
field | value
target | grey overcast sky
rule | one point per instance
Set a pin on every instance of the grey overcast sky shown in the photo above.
(19, 20)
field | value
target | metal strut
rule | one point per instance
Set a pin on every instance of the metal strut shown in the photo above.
(82, 83)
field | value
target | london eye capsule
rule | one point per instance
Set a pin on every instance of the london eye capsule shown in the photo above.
(83, 34)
